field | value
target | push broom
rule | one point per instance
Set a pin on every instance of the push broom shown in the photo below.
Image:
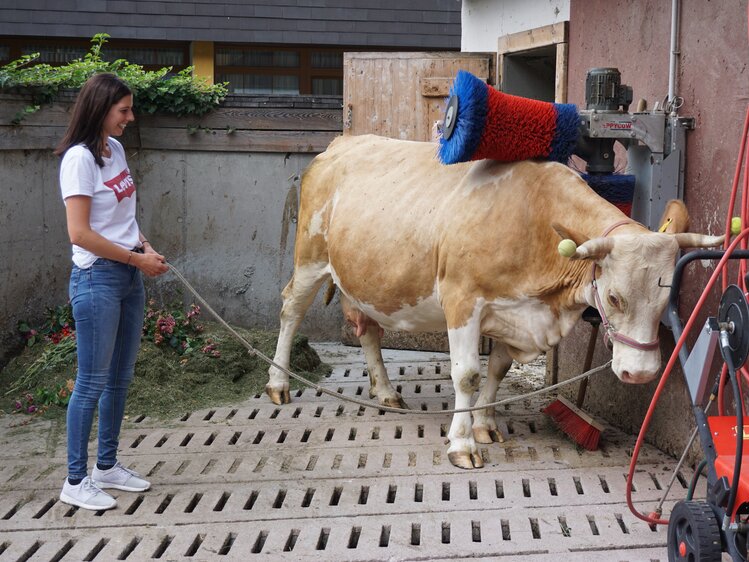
(570, 418)
(617, 189)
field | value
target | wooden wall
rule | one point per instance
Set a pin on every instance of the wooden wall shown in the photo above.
(216, 195)
(245, 124)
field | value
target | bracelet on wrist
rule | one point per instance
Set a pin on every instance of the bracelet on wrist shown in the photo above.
(129, 257)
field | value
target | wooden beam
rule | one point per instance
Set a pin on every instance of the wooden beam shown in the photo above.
(560, 81)
(30, 138)
(201, 53)
(534, 38)
(237, 141)
(182, 138)
(272, 119)
(283, 119)
(555, 34)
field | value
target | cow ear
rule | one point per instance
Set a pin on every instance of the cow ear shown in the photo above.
(675, 217)
(594, 249)
(691, 240)
(573, 235)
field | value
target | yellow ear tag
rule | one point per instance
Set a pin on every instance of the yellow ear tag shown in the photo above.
(665, 225)
(567, 248)
(735, 225)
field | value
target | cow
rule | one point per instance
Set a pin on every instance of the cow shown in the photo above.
(471, 249)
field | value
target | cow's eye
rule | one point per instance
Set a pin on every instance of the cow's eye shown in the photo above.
(613, 300)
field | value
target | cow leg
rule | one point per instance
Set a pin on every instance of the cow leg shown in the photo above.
(297, 298)
(379, 383)
(466, 376)
(485, 428)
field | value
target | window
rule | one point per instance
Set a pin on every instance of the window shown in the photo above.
(54, 54)
(152, 55)
(148, 57)
(280, 70)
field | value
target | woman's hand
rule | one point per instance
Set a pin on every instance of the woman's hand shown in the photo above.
(150, 262)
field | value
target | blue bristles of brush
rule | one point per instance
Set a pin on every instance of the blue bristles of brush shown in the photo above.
(565, 133)
(472, 97)
(615, 188)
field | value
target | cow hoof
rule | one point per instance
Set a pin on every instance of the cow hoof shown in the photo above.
(486, 435)
(462, 459)
(395, 402)
(278, 396)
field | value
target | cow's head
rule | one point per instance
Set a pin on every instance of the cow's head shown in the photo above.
(633, 276)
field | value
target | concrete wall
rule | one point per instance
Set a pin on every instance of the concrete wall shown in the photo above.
(218, 216)
(634, 37)
(484, 21)
(32, 230)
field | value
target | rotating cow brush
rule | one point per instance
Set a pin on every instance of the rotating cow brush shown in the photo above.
(481, 122)
(617, 189)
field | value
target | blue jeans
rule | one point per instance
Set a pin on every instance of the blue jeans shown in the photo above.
(108, 301)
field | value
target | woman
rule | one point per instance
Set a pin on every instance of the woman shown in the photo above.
(106, 287)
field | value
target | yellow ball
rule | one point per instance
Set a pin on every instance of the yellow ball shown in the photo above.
(567, 248)
(735, 225)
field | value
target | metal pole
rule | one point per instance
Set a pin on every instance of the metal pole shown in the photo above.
(674, 50)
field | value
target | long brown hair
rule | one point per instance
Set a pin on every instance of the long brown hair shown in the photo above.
(96, 98)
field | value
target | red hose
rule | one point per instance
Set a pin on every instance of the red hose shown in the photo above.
(741, 161)
(667, 373)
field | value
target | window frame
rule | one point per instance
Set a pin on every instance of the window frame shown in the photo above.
(304, 72)
(17, 44)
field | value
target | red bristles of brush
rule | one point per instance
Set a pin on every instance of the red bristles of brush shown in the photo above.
(581, 428)
(516, 128)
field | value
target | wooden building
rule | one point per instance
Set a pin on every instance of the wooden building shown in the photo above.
(260, 47)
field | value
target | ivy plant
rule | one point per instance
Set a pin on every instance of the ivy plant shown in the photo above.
(156, 91)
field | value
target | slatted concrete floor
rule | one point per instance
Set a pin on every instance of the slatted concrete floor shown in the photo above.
(324, 480)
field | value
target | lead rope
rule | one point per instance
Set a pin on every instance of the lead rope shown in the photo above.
(365, 403)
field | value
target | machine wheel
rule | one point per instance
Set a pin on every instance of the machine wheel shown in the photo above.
(693, 533)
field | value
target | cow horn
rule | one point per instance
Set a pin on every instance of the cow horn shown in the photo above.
(675, 217)
(573, 235)
(597, 248)
(691, 240)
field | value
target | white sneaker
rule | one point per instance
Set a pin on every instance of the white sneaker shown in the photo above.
(120, 478)
(86, 495)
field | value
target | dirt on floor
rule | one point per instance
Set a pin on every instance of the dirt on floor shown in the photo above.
(166, 384)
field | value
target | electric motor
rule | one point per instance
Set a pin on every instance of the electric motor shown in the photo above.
(604, 90)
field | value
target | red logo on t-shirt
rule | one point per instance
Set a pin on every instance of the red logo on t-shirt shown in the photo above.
(122, 185)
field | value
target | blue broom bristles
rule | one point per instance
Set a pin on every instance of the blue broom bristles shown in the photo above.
(565, 132)
(615, 188)
(472, 97)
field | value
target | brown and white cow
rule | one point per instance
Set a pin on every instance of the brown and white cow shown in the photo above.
(471, 248)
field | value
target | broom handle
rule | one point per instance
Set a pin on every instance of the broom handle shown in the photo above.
(588, 361)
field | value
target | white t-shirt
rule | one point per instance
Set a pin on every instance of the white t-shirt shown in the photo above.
(112, 193)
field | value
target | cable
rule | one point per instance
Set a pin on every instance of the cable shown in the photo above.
(739, 424)
(365, 403)
(667, 372)
(741, 162)
(695, 478)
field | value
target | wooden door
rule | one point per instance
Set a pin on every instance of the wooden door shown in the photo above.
(402, 95)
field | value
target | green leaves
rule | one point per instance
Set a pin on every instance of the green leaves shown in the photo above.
(21, 115)
(158, 91)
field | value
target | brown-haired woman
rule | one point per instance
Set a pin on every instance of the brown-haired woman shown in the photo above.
(106, 287)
